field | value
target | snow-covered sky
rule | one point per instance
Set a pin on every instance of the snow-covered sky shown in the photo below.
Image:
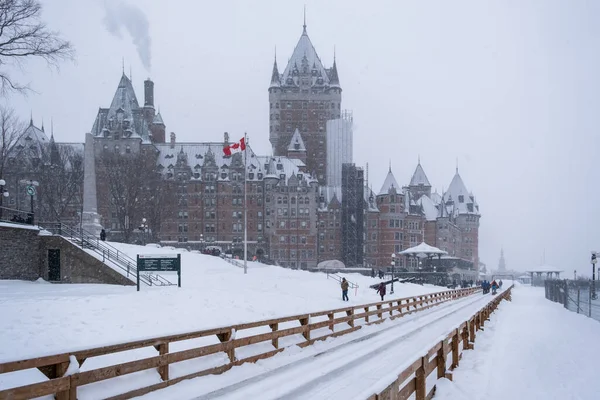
(509, 89)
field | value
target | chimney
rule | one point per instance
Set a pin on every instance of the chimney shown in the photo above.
(172, 140)
(226, 138)
(148, 93)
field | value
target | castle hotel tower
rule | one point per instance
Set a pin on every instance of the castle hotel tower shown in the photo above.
(304, 98)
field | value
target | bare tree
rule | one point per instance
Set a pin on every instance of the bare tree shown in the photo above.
(60, 174)
(22, 36)
(11, 130)
(136, 191)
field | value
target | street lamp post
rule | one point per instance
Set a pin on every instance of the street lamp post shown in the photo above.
(393, 264)
(594, 261)
(201, 243)
(31, 191)
(144, 229)
(3, 194)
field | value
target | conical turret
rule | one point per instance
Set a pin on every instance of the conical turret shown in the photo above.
(275, 80)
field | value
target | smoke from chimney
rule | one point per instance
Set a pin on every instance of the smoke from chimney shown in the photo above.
(120, 15)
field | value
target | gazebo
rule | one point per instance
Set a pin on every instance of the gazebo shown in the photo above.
(423, 251)
(544, 269)
(524, 279)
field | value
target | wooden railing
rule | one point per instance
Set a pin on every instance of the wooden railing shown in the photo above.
(414, 378)
(304, 328)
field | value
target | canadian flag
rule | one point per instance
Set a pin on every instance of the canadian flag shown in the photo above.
(234, 147)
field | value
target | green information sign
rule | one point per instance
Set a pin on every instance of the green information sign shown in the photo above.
(159, 263)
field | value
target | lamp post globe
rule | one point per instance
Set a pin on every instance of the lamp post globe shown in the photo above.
(3, 193)
(393, 265)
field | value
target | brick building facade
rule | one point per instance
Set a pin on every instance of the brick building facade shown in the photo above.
(192, 194)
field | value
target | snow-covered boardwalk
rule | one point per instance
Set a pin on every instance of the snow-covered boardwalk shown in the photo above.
(353, 366)
(531, 349)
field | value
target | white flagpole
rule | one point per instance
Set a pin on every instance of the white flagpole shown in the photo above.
(245, 206)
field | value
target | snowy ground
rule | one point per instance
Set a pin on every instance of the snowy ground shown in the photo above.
(352, 366)
(531, 349)
(39, 318)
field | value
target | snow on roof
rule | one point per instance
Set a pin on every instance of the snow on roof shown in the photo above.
(436, 198)
(431, 212)
(303, 49)
(423, 248)
(544, 268)
(370, 200)
(32, 139)
(124, 98)
(330, 193)
(195, 155)
(296, 143)
(456, 192)
(390, 182)
(419, 177)
(124, 102)
(158, 119)
(299, 163)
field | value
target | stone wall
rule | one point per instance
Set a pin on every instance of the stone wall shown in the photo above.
(76, 265)
(19, 252)
(24, 256)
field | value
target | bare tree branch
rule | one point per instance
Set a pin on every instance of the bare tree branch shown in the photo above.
(135, 190)
(11, 130)
(23, 35)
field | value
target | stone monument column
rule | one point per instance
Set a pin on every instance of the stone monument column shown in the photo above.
(90, 217)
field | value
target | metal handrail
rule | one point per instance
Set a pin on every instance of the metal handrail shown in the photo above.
(339, 279)
(85, 238)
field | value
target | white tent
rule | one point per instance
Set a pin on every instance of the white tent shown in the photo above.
(331, 264)
(423, 250)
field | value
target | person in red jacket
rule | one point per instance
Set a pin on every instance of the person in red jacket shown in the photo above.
(381, 290)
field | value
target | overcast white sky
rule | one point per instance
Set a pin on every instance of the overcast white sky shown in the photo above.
(509, 88)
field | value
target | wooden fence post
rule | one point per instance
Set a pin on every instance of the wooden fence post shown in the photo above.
(274, 327)
(306, 333)
(379, 314)
(455, 354)
(225, 337)
(70, 394)
(465, 336)
(366, 316)
(441, 360)
(163, 370)
(330, 316)
(350, 313)
(421, 381)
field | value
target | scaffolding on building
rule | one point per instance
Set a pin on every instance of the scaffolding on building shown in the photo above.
(352, 215)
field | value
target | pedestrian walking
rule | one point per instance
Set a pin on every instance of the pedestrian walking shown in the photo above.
(345, 285)
(494, 287)
(103, 235)
(381, 290)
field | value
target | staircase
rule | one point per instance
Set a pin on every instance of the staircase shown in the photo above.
(118, 259)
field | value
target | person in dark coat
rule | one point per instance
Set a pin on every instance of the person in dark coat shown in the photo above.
(381, 290)
(494, 287)
(103, 235)
(345, 286)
